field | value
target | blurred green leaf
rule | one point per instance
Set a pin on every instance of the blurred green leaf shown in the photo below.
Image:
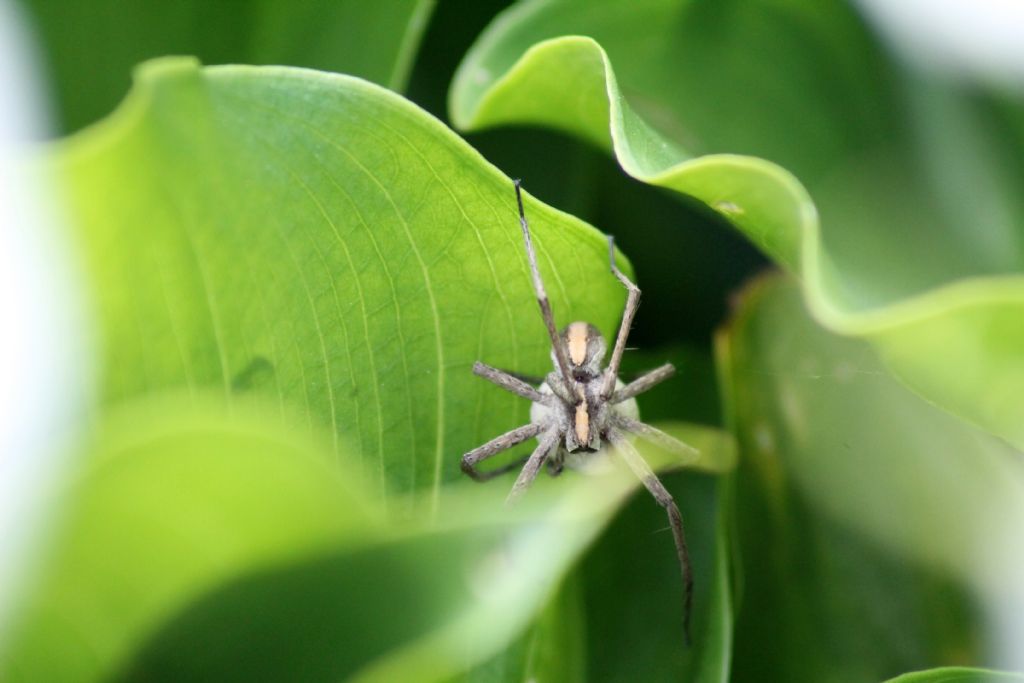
(552, 649)
(427, 604)
(321, 243)
(869, 521)
(957, 675)
(916, 267)
(91, 47)
(171, 504)
(198, 546)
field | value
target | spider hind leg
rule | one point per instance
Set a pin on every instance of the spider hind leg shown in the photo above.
(556, 462)
(654, 486)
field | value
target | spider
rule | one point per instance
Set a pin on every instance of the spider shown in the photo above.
(579, 408)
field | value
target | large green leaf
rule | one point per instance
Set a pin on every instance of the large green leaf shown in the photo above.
(320, 246)
(320, 242)
(869, 521)
(91, 47)
(898, 167)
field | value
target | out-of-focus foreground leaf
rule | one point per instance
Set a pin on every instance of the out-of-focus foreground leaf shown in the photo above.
(168, 504)
(91, 47)
(915, 183)
(450, 593)
(870, 522)
(322, 243)
(195, 546)
(957, 674)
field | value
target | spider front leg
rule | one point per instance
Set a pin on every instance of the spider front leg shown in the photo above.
(611, 373)
(542, 297)
(651, 482)
(644, 382)
(509, 382)
(495, 446)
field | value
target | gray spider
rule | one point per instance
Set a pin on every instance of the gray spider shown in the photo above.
(580, 407)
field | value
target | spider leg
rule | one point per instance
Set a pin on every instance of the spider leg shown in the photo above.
(632, 302)
(556, 462)
(644, 382)
(655, 436)
(532, 380)
(548, 441)
(497, 445)
(542, 296)
(509, 383)
(651, 482)
(498, 471)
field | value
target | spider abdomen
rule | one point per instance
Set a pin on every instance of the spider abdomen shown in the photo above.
(580, 414)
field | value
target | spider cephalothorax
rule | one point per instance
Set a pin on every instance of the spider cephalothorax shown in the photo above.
(580, 408)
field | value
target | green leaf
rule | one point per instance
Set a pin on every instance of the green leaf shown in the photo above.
(323, 244)
(321, 247)
(957, 675)
(800, 84)
(870, 522)
(91, 47)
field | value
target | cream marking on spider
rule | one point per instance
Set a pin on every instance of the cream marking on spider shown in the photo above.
(582, 420)
(577, 340)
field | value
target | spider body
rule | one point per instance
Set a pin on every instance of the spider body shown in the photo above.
(585, 424)
(584, 416)
(582, 408)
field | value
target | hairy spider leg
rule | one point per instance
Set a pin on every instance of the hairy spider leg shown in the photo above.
(497, 445)
(651, 482)
(509, 382)
(611, 373)
(644, 382)
(542, 295)
(656, 436)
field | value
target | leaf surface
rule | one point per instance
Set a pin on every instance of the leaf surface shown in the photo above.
(323, 244)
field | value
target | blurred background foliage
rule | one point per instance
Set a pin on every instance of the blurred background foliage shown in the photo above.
(243, 511)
